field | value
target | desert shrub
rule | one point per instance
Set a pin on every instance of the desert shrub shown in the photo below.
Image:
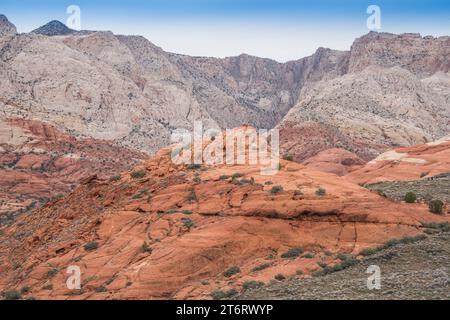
(197, 180)
(276, 189)
(410, 197)
(252, 285)
(288, 157)
(140, 194)
(145, 248)
(224, 177)
(261, 267)
(12, 295)
(343, 256)
(308, 255)
(186, 211)
(436, 206)
(100, 289)
(115, 178)
(138, 174)
(218, 294)
(292, 253)
(188, 222)
(231, 271)
(237, 175)
(25, 290)
(322, 264)
(321, 192)
(52, 272)
(268, 183)
(192, 196)
(279, 277)
(48, 287)
(443, 226)
(370, 251)
(194, 166)
(90, 246)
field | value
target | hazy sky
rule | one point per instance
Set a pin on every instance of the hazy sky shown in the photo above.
(278, 29)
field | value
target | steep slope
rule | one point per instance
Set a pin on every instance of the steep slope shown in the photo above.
(39, 163)
(174, 231)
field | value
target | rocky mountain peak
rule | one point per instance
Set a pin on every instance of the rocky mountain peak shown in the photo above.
(6, 27)
(54, 28)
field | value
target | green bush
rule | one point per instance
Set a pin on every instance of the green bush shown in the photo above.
(308, 255)
(261, 267)
(90, 246)
(276, 189)
(321, 192)
(138, 174)
(231, 271)
(292, 253)
(25, 290)
(51, 273)
(280, 277)
(436, 206)
(145, 248)
(410, 197)
(188, 222)
(219, 294)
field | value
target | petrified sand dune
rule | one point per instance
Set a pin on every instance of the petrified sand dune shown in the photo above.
(38, 162)
(171, 231)
(407, 163)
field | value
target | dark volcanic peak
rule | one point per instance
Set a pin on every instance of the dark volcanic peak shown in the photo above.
(54, 28)
(6, 27)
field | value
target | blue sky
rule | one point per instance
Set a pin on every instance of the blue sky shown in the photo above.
(282, 30)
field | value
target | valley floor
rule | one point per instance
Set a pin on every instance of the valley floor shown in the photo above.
(419, 270)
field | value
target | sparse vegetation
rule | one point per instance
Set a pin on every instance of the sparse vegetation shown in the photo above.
(115, 178)
(188, 222)
(186, 211)
(261, 267)
(292, 253)
(197, 180)
(224, 177)
(219, 294)
(391, 243)
(308, 255)
(12, 295)
(25, 290)
(276, 189)
(288, 157)
(48, 287)
(231, 271)
(91, 246)
(237, 175)
(410, 197)
(192, 196)
(194, 166)
(52, 272)
(138, 174)
(145, 248)
(321, 192)
(436, 206)
(279, 277)
(101, 289)
(252, 284)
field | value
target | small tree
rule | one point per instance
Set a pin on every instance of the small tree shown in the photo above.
(410, 197)
(436, 206)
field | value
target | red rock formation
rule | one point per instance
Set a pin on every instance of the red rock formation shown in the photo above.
(335, 160)
(168, 231)
(407, 163)
(37, 162)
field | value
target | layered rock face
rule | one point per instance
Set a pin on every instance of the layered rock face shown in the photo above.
(173, 231)
(39, 163)
(127, 90)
